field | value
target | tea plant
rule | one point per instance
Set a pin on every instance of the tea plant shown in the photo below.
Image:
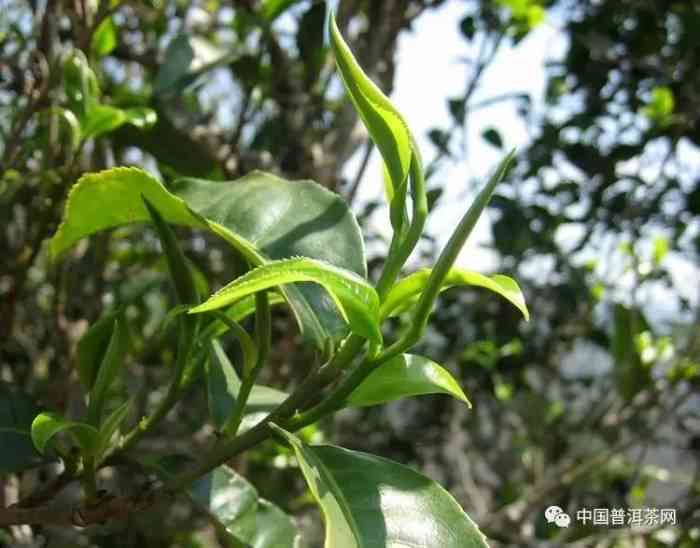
(304, 250)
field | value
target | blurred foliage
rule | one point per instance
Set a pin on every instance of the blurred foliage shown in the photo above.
(592, 404)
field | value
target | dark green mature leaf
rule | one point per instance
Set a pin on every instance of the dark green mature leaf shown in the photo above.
(406, 292)
(235, 504)
(310, 41)
(16, 414)
(368, 501)
(354, 297)
(493, 137)
(186, 59)
(46, 425)
(402, 377)
(262, 216)
(224, 384)
(631, 373)
(235, 507)
(384, 123)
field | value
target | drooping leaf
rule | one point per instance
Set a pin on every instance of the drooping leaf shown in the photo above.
(16, 414)
(384, 123)
(354, 297)
(370, 501)
(224, 384)
(46, 425)
(407, 291)
(186, 59)
(262, 216)
(112, 362)
(235, 504)
(235, 507)
(402, 377)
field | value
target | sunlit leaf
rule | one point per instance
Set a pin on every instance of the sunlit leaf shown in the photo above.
(384, 123)
(354, 297)
(104, 39)
(46, 425)
(405, 376)
(370, 501)
(407, 291)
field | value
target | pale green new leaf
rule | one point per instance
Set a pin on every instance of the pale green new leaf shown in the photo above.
(369, 502)
(402, 377)
(355, 298)
(407, 291)
(46, 425)
(112, 362)
(384, 123)
(111, 425)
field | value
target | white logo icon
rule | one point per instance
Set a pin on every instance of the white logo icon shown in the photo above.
(554, 514)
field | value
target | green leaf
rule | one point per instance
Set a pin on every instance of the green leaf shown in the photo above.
(272, 9)
(46, 425)
(262, 216)
(661, 106)
(140, 117)
(310, 41)
(355, 298)
(234, 506)
(16, 414)
(384, 123)
(79, 83)
(111, 425)
(370, 501)
(405, 376)
(238, 312)
(180, 271)
(92, 347)
(493, 137)
(109, 368)
(104, 39)
(100, 119)
(224, 384)
(186, 59)
(407, 291)
(660, 249)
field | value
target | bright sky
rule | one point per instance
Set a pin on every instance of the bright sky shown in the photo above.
(428, 72)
